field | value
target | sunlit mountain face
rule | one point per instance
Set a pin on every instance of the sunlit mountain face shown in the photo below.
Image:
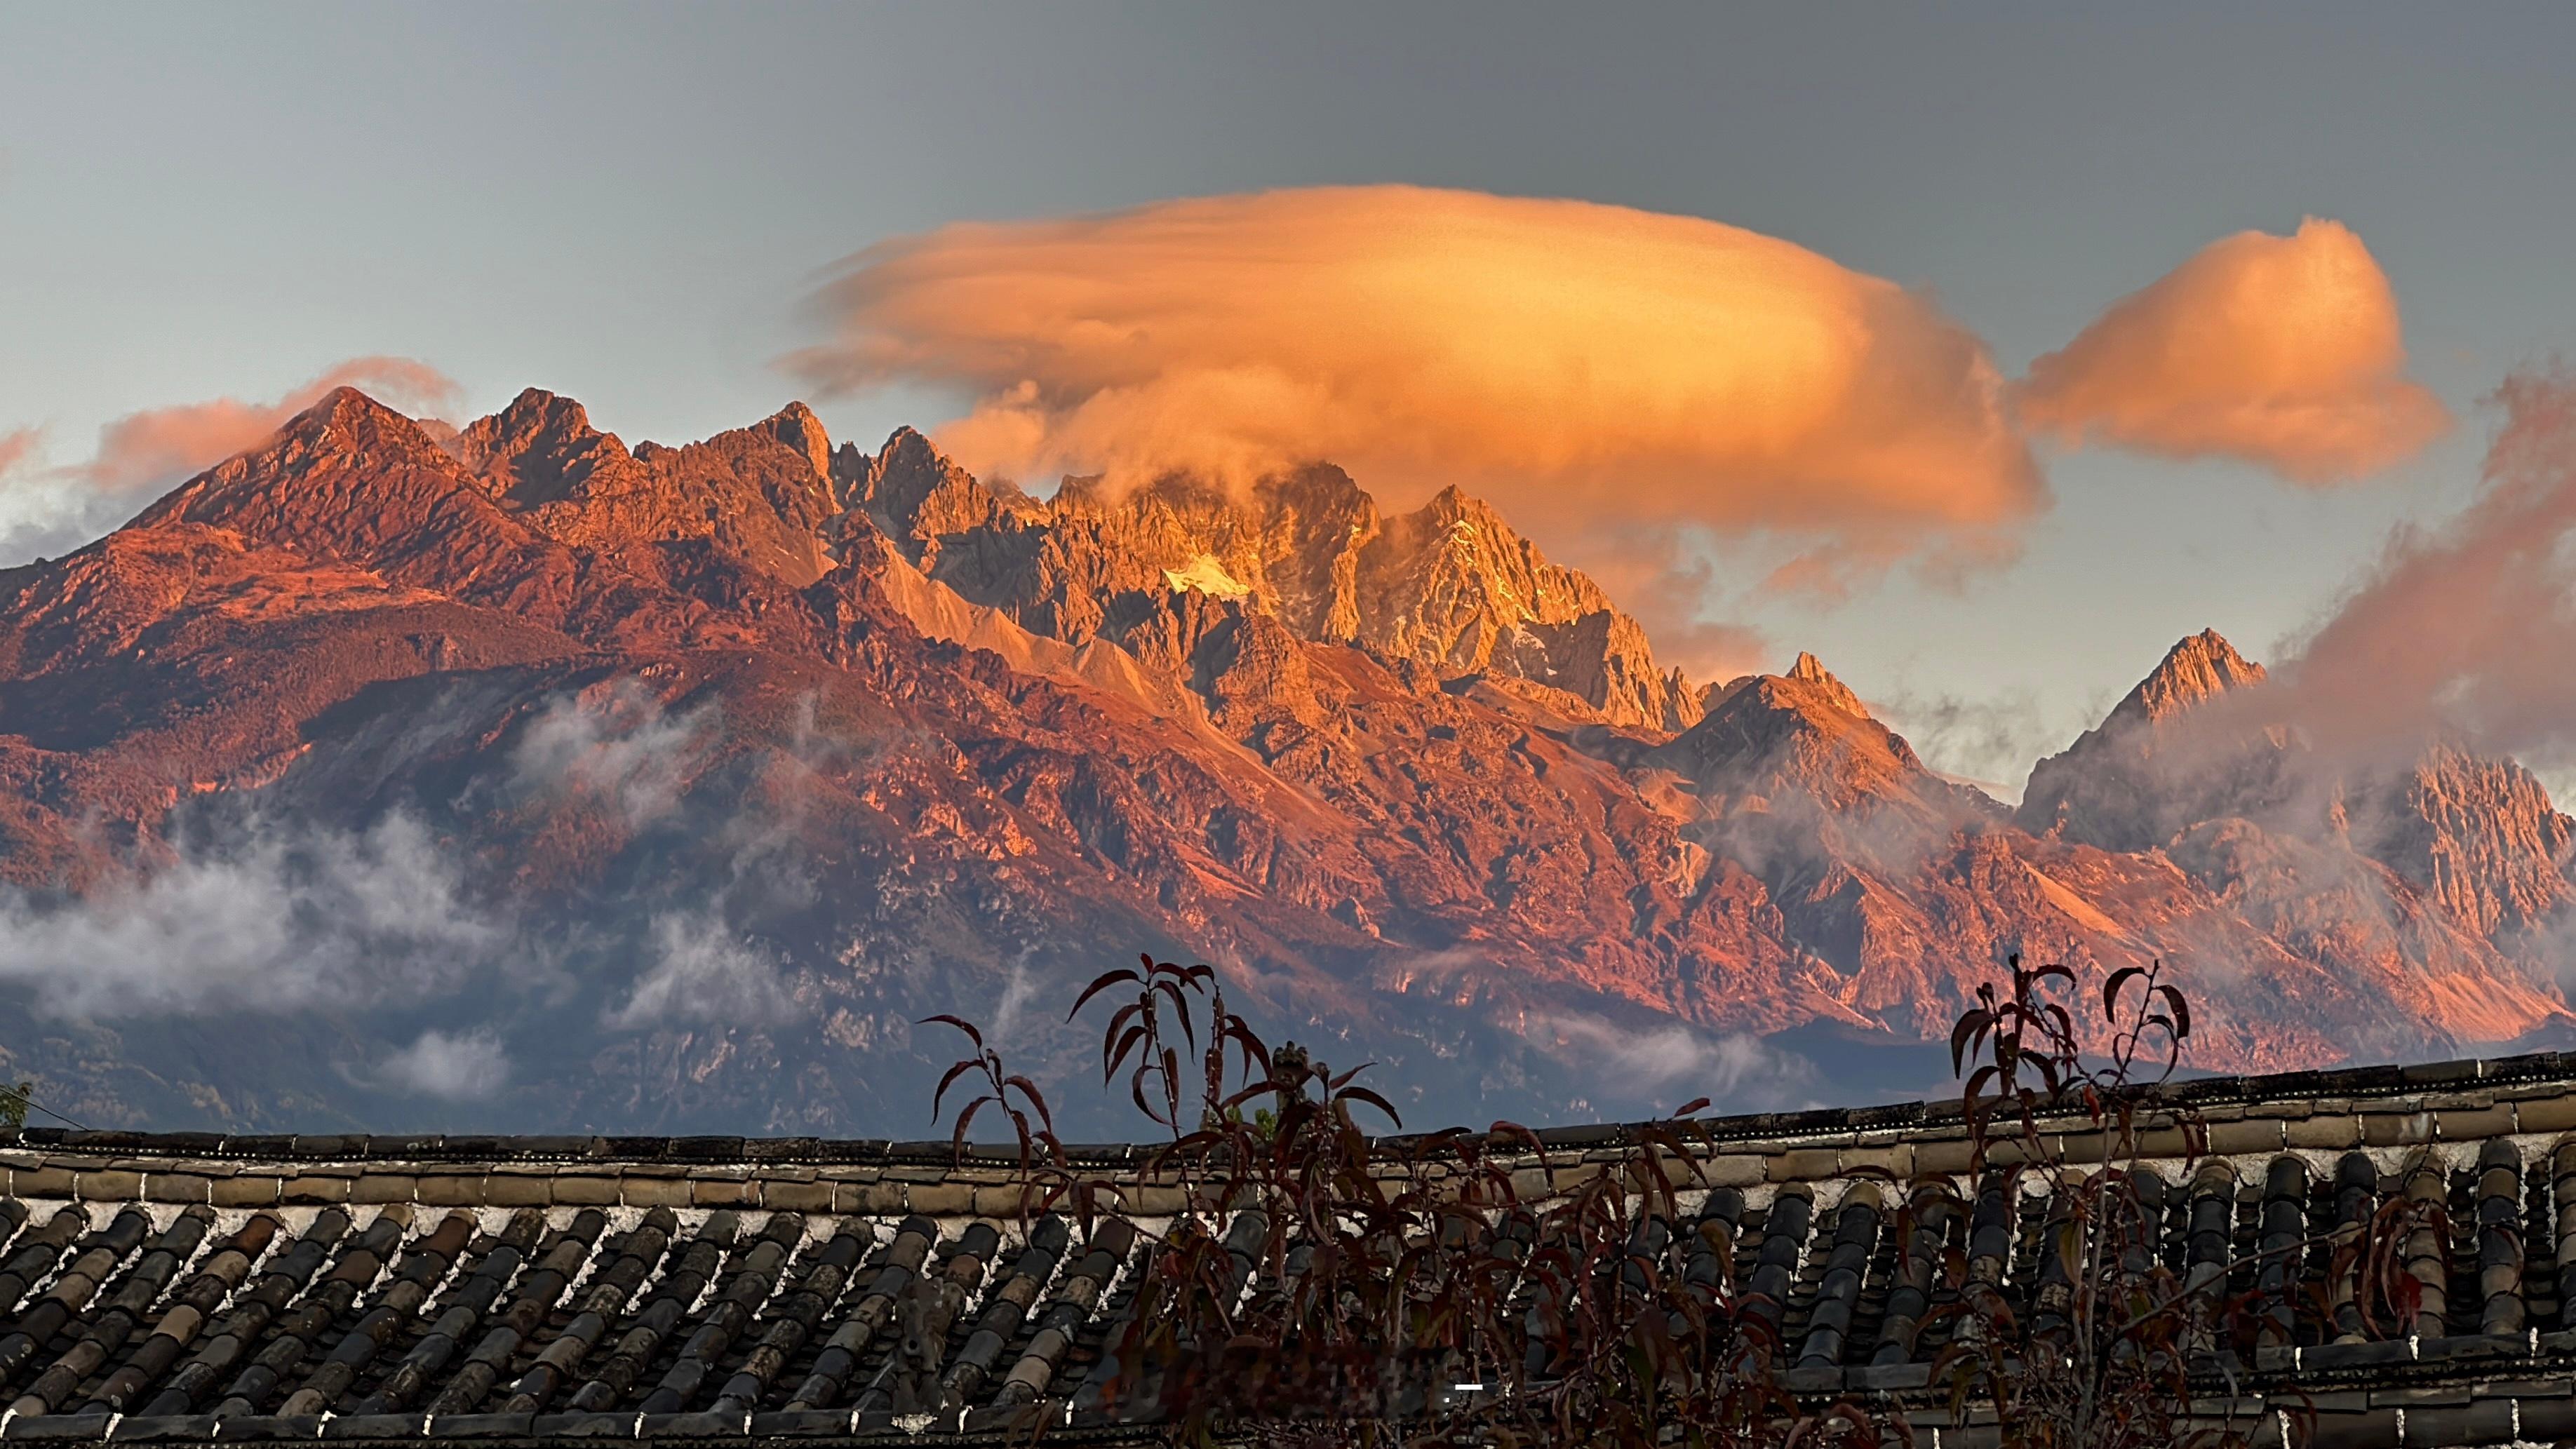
(511, 777)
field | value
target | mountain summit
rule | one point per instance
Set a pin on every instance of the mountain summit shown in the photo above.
(594, 787)
(2160, 760)
(2196, 669)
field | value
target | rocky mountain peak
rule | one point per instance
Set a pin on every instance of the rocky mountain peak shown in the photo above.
(1450, 587)
(1455, 586)
(1324, 522)
(537, 449)
(1804, 728)
(346, 418)
(351, 480)
(1794, 778)
(341, 427)
(1810, 672)
(2135, 780)
(2476, 837)
(536, 411)
(1315, 488)
(2479, 835)
(796, 428)
(1453, 504)
(915, 494)
(2196, 669)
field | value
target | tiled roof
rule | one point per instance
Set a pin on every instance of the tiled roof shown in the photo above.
(199, 1288)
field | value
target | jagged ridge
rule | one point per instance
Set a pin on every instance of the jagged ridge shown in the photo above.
(788, 745)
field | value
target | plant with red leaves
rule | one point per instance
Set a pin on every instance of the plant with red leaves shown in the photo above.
(2113, 1347)
(1306, 1283)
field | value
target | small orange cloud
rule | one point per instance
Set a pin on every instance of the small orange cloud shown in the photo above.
(15, 448)
(1594, 370)
(162, 446)
(2283, 351)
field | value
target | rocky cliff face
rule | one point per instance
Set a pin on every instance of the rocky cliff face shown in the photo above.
(1454, 586)
(515, 777)
(1450, 586)
(762, 493)
(2444, 878)
(2477, 836)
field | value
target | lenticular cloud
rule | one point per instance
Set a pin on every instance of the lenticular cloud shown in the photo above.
(2282, 351)
(1588, 365)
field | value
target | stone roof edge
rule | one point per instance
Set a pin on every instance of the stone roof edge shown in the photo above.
(2290, 1091)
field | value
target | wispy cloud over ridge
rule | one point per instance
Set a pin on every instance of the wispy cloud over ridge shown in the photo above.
(704, 972)
(158, 447)
(53, 510)
(2463, 630)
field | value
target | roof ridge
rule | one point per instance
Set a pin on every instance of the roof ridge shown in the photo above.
(719, 1151)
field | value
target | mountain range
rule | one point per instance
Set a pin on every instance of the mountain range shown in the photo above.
(400, 775)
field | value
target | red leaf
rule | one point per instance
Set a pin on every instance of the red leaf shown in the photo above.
(1254, 1048)
(1126, 1045)
(1102, 983)
(965, 1119)
(2111, 988)
(1036, 1098)
(1363, 1094)
(950, 1080)
(2181, 1009)
(1971, 1025)
(959, 1022)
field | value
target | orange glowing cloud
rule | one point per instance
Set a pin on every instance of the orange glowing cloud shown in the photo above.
(162, 446)
(1602, 370)
(2283, 351)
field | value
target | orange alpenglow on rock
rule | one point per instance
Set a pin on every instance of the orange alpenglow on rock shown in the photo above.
(45, 510)
(401, 709)
(1811, 670)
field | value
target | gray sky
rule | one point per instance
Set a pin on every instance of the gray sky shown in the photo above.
(628, 204)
